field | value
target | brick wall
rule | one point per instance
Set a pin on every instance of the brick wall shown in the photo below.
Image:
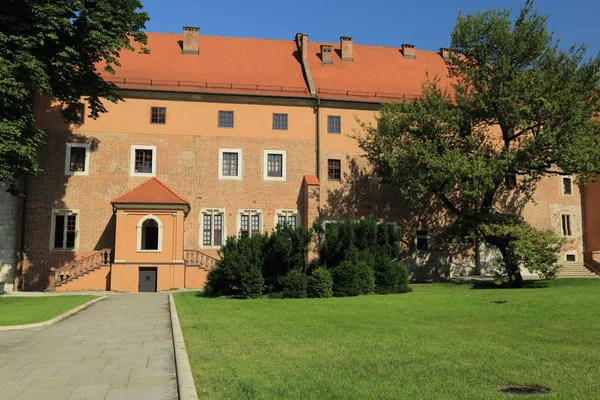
(187, 164)
(8, 238)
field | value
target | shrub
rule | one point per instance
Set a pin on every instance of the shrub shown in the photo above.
(294, 285)
(390, 276)
(320, 284)
(286, 249)
(239, 271)
(352, 278)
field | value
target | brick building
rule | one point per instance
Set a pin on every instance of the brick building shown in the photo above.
(222, 135)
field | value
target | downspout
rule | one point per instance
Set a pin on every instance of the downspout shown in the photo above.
(318, 144)
(21, 283)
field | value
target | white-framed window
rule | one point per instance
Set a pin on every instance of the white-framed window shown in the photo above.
(567, 186)
(249, 222)
(64, 230)
(566, 224)
(230, 164)
(77, 159)
(212, 227)
(143, 160)
(286, 217)
(274, 165)
(422, 239)
(571, 256)
(149, 234)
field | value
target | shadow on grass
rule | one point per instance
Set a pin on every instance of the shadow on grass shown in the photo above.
(489, 284)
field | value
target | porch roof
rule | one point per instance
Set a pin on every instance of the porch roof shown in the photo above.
(151, 192)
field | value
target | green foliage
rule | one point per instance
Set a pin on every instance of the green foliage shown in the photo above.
(294, 285)
(390, 276)
(352, 278)
(364, 235)
(239, 270)
(536, 250)
(55, 47)
(286, 249)
(320, 283)
(515, 104)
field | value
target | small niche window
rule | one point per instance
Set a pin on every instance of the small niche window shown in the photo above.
(334, 124)
(510, 181)
(230, 163)
(570, 257)
(422, 239)
(334, 170)
(286, 217)
(274, 167)
(567, 186)
(76, 113)
(280, 121)
(77, 159)
(225, 119)
(65, 230)
(149, 234)
(250, 222)
(158, 115)
(212, 227)
(566, 225)
(143, 160)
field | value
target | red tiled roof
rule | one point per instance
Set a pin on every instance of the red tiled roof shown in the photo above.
(225, 64)
(311, 180)
(376, 73)
(152, 191)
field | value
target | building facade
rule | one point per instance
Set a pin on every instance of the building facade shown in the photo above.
(218, 136)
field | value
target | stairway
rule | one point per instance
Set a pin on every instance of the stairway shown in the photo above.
(576, 270)
(90, 273)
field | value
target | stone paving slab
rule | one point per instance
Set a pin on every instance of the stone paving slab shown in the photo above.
(119, 348)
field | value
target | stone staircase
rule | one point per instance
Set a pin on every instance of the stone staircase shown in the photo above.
(200, 259)
(576, 270)
(82, 268)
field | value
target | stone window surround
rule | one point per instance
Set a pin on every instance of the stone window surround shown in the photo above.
(139, 234)
(213, 211)
(135, 147)
(86, 170)
(240, 164)
(283, 154)
(66, 212)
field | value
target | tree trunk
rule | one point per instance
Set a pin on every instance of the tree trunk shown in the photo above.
(511, 265)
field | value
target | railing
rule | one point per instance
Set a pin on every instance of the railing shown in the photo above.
(198, 258)
(99, 258)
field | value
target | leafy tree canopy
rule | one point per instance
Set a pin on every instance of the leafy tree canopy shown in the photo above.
(518, 105)
(55, 47)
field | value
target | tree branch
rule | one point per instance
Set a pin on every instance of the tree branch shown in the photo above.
(517, 135)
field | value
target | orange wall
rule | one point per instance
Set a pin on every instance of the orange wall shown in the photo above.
(184, 118)
(124, 277)
(349, 127)
(195, 278)
(592, 216)
(127, 235)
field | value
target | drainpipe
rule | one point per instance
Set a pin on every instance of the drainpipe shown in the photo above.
(21, 285)
(318, 146)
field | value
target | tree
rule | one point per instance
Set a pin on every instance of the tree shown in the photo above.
(517, 105)
(56, 47)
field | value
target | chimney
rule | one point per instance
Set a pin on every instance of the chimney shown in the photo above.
(326, 53)
(346, 46)
(408, 50)
(190, 40)
(302, 43)
(446, 53)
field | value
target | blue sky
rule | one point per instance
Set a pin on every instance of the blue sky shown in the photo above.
(427, 24)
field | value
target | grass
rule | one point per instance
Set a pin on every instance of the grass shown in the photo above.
(442, 341)
(30, 310)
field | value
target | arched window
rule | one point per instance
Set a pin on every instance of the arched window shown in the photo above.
(149, 234)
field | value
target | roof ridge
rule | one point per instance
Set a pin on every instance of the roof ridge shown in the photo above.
(116, 200)
(225, 37)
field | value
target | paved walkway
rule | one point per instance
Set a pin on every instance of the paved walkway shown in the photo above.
(118, 348)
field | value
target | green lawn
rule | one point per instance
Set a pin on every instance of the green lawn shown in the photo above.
(442, 341)
(30, 310)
